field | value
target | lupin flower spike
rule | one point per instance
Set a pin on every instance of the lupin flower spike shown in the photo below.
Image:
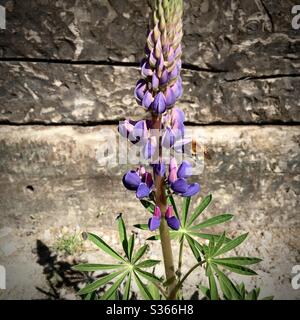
(161, 84)
(172, 221)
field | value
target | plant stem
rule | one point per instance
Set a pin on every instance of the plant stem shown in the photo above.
(161, 202)
(180, 257)
(180, 283)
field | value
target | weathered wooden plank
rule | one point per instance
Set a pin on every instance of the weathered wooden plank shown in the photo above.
(63, 93)
(244, 37)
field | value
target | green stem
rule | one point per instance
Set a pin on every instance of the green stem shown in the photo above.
(161, 202)
(180, 257)
(180, 283)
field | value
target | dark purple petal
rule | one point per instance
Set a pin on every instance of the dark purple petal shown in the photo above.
(147, 178)
(192, 190)
(170, 97)
(153, 223)
(147, 100)
(159, 169)
(131, 180)
(159, 103)
(173, 223)
(142, 191)
(184, 170)
(179, 186)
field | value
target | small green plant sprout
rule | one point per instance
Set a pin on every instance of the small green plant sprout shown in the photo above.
(69, 244)
(130, 266)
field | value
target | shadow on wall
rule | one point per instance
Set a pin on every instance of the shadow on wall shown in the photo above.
(58, 273)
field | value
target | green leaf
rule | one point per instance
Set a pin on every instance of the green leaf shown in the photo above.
(91, 296)
(185, 209)
(205, 291)
(172, 202)
(227, 287)
(213, 221)
(143, 288)
(104, 246)
(193, 247)
(142, 226)
(112, 290)
(232, 244)
(202, 206)
(236, 268)
(95, 267)
(131, 246)
(123, 235)
(126, 294)
(208, 236)
(154, 291)
(241, 261)
(98, 283)
(147, 275)
(213, 286)
(142, 250)
(148, 264)
(148, 205)
(218, 244)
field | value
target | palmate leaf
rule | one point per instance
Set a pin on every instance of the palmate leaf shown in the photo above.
(123, 235)
(213, 290)
(194, 248)
(213, 221)
(242, 261)
(173, 235)
(203, 205)
(185, 210)
(126, 294)
(104, 246)
(131, 246)
(100, 282)
(204, 290)
(112, 290)
(139, 254)
(154, 291)
(148, 264)
(231, 244)
(143, 288)
(236, 268)
(148, 276)
(90, 267)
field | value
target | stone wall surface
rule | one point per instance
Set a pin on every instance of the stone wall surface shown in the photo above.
(67, 73)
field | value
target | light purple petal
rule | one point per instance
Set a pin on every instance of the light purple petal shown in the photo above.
(192, 190)
(168, 138)
(184, 170)
(159, 169)
(179, 186)
(149, 148)
(181, 145)
(170, 97)
(164, 77)
(153, 223)
(139, 91)
(131, 180)
(155, 81)
(173, 223)
(147, 100)
(172, 171)
(146, 70)
(159, 103)
(142, 191)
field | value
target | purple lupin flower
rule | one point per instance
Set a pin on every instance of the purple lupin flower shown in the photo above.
(172, 221)
(139, 181)
(161, 84)
(178, 179)
(154, 222)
